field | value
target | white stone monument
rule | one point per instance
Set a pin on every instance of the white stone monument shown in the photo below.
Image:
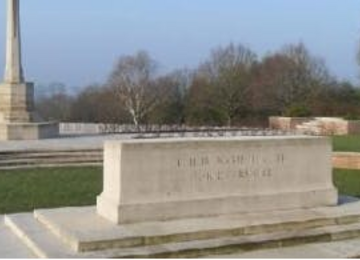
(164, 179)
(18, 118)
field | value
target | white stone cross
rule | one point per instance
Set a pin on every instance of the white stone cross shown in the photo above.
(13, 66)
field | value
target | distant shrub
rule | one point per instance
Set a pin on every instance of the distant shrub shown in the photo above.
(352, 117)
(297, 111)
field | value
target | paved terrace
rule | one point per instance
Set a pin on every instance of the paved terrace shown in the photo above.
(96, 141)
(65, 142)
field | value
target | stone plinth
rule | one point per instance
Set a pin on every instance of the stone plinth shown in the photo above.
(157, 180)
(17, 102)
(28, 131)
(18, 118)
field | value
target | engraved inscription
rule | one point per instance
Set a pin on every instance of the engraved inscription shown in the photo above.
(211, 168)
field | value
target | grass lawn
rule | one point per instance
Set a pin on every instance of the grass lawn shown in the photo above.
(26, 190)
(347, 143)
(348, 182)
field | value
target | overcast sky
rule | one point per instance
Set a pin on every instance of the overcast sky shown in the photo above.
(78, 41)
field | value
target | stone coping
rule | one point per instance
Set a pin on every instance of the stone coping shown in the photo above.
(214, 139)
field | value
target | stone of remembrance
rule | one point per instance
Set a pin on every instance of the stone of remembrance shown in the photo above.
(157, 180)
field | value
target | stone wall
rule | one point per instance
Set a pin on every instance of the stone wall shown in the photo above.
(346, 160)
(333, 126)
(79, 128)
(91, 128)
(354, 127)
(287, 123)
(316, 125)
(164, 130)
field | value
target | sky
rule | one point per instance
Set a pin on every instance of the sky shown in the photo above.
(78, 42)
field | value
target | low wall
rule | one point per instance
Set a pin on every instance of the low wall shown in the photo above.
(346, 160)
(316, 125)
(333, 126)
(353, 127)
(287, 123)
(79, 128)
(90, 129)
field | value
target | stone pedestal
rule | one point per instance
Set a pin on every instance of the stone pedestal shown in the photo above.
(18, 118)
(28, 131)
(17, 103)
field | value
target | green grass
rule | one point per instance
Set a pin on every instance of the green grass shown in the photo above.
(348, 182)
(26, 190)
(347, 143)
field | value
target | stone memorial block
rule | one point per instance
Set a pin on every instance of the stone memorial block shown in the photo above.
(164, 179)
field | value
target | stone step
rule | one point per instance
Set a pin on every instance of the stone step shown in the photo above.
(45, 151)
(50, 160)
(49, 155)
(84, 230)
(44, 244)
(338, 249)
(51, 165)
(36, 237)
(239, 244)
(10, 245)
(80, 232)
(14, 160)
(47, 158)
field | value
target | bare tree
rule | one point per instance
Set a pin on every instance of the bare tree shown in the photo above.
(202, 104)
(173, 89)
(54, 103)
(229, 70)
(132, 81)
(305, 75)
(291, 79)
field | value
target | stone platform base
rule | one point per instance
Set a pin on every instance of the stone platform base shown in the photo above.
(80, 232)
(28, 131)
